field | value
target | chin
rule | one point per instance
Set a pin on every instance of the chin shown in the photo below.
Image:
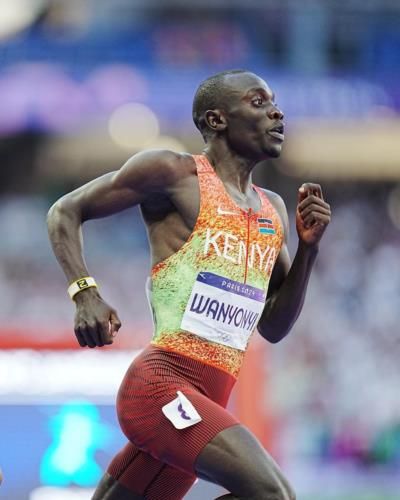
(274, 152)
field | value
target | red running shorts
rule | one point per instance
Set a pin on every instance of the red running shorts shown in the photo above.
(158, 462)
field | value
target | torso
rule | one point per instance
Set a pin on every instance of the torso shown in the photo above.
(212, 263)
(170, 219)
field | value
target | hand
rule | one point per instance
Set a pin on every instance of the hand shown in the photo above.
(96, 323)
(313, 214)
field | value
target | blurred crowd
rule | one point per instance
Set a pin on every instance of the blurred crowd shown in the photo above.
(335, 379)
(314, 37)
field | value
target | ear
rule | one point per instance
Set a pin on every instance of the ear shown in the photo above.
(215, 120)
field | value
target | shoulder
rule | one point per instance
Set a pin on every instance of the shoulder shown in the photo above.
(159, 168)
(279, 205)
(276, 201)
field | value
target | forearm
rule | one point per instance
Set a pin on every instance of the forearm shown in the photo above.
(65, 231)
(283, 308)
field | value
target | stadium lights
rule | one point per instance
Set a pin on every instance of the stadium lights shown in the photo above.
(17, 15)
(133, 126)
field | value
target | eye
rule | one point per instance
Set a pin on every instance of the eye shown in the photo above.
(258, 101)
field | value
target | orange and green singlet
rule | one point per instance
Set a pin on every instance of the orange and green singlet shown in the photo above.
(207, 298)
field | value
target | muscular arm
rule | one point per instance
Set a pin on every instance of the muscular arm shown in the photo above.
(143, 175)
(288, 284)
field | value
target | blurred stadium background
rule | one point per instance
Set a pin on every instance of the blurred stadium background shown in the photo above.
(86, 83)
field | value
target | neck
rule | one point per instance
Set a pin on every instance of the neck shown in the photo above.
(234, 170)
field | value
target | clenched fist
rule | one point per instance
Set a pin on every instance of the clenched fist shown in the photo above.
(313, 214)
(96, 323)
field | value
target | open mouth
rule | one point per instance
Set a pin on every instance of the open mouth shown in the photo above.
(277, 132)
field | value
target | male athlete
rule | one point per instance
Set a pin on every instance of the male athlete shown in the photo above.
(220, 270)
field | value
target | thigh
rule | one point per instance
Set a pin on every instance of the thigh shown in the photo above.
(134, 475)
(169, 436)
(236, 460)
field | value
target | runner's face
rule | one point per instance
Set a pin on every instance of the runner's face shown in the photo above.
(254, 122)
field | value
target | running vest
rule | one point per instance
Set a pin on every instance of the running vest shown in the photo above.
(207, 298)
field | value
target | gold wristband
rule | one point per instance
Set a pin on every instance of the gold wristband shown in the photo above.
(81, 284)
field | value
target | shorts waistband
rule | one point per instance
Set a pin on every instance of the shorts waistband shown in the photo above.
(215, 383)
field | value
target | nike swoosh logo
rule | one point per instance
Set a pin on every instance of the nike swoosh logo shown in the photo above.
(220, 211)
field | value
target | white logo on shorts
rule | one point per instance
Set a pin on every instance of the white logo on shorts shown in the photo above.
(181, 412)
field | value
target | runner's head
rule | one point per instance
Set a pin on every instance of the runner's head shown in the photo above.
(238, 106)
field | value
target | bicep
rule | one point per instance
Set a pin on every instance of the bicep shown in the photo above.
(102, 197)
(98, 198)
(115, 191)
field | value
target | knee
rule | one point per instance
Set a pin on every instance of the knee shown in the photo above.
(275, 491)
(281, 492)
(291, 493)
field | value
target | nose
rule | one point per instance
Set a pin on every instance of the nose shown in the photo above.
(275, 113)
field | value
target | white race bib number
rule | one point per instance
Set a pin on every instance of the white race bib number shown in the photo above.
(223, 310)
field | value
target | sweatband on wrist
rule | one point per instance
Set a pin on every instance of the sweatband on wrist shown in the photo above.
(81, 284)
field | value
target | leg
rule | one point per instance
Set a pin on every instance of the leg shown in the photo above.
(109, 489)
(236, 460)
(136, 475)
(227, 497)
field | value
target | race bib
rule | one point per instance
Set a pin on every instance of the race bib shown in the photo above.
(181, 412)
(223, 310)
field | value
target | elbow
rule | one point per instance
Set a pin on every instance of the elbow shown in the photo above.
(60, 213)
(52, 214)
(55, 214)
(271, 339)
(273, 335)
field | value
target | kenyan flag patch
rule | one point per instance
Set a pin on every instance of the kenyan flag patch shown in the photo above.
(265, 226)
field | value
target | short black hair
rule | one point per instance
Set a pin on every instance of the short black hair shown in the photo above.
(210, 94)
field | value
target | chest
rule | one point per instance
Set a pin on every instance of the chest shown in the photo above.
(193, 192)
